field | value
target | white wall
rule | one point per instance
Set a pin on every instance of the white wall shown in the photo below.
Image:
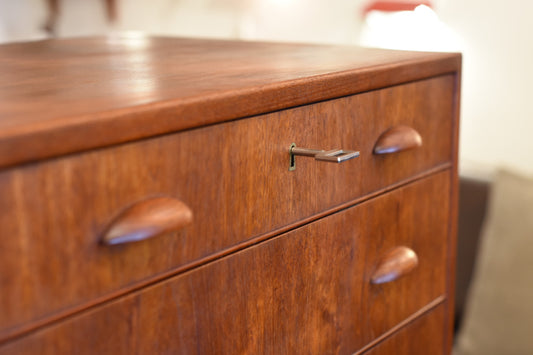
(497, 74)
(278, 20)
(497, 102)
(20, 20)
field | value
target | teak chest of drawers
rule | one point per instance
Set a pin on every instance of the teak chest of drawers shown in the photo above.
(154, 199)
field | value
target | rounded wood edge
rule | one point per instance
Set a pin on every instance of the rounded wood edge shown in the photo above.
(397, 139)
(395, 264)
(21, 146)
(147, 219)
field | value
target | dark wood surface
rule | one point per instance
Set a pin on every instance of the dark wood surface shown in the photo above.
(307, 291)
(234, 177)
(426, 239)
(89, 138)
(422, 337)
(63, 96)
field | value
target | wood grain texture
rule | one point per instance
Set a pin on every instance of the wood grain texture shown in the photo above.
(64, 96)
(147, 219)
(422, 337)
(420, 312)
(398, 139)
(396, 263)
(238, 186)
(306, 291)
(425, 238)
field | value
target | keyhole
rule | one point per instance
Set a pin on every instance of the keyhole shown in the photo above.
(292, 164)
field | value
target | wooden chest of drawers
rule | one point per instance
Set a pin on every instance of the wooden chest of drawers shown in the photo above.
(154, 199)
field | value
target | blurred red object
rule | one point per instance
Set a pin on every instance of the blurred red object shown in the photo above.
(394, 5)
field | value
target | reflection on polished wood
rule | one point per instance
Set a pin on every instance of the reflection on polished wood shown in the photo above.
(127, 137)
(233, 176)
(303, 292)
(398, 262)
(92, 92)
(148, 219)
(398, 139)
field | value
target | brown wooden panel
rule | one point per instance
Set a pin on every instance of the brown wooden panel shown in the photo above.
(357, 122)
(421, 224)
(422, 337)
(306, 291)
(234, 177)
(61, 96)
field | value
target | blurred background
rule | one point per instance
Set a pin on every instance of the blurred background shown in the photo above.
(494, 37)
(496, 146)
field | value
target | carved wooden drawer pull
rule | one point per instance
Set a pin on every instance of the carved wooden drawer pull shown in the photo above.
(397, 263)
(147, 219)
(397, 139)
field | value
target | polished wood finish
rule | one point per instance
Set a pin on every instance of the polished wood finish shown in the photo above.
(423, 237)
(93, 92)
(148, 219)
(427, 308)
(396, 263)
(422, 337)
(398, 139)
(240, 183)
(128, 133)
(294, 296)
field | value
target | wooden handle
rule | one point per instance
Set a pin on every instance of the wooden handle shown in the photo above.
(147, 219)
(397, 139)
(397, 263)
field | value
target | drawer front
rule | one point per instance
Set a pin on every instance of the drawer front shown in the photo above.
(234, 178)
(306, 291)
(422, 337)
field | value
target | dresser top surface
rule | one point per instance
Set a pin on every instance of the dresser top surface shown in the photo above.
(63, 96)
